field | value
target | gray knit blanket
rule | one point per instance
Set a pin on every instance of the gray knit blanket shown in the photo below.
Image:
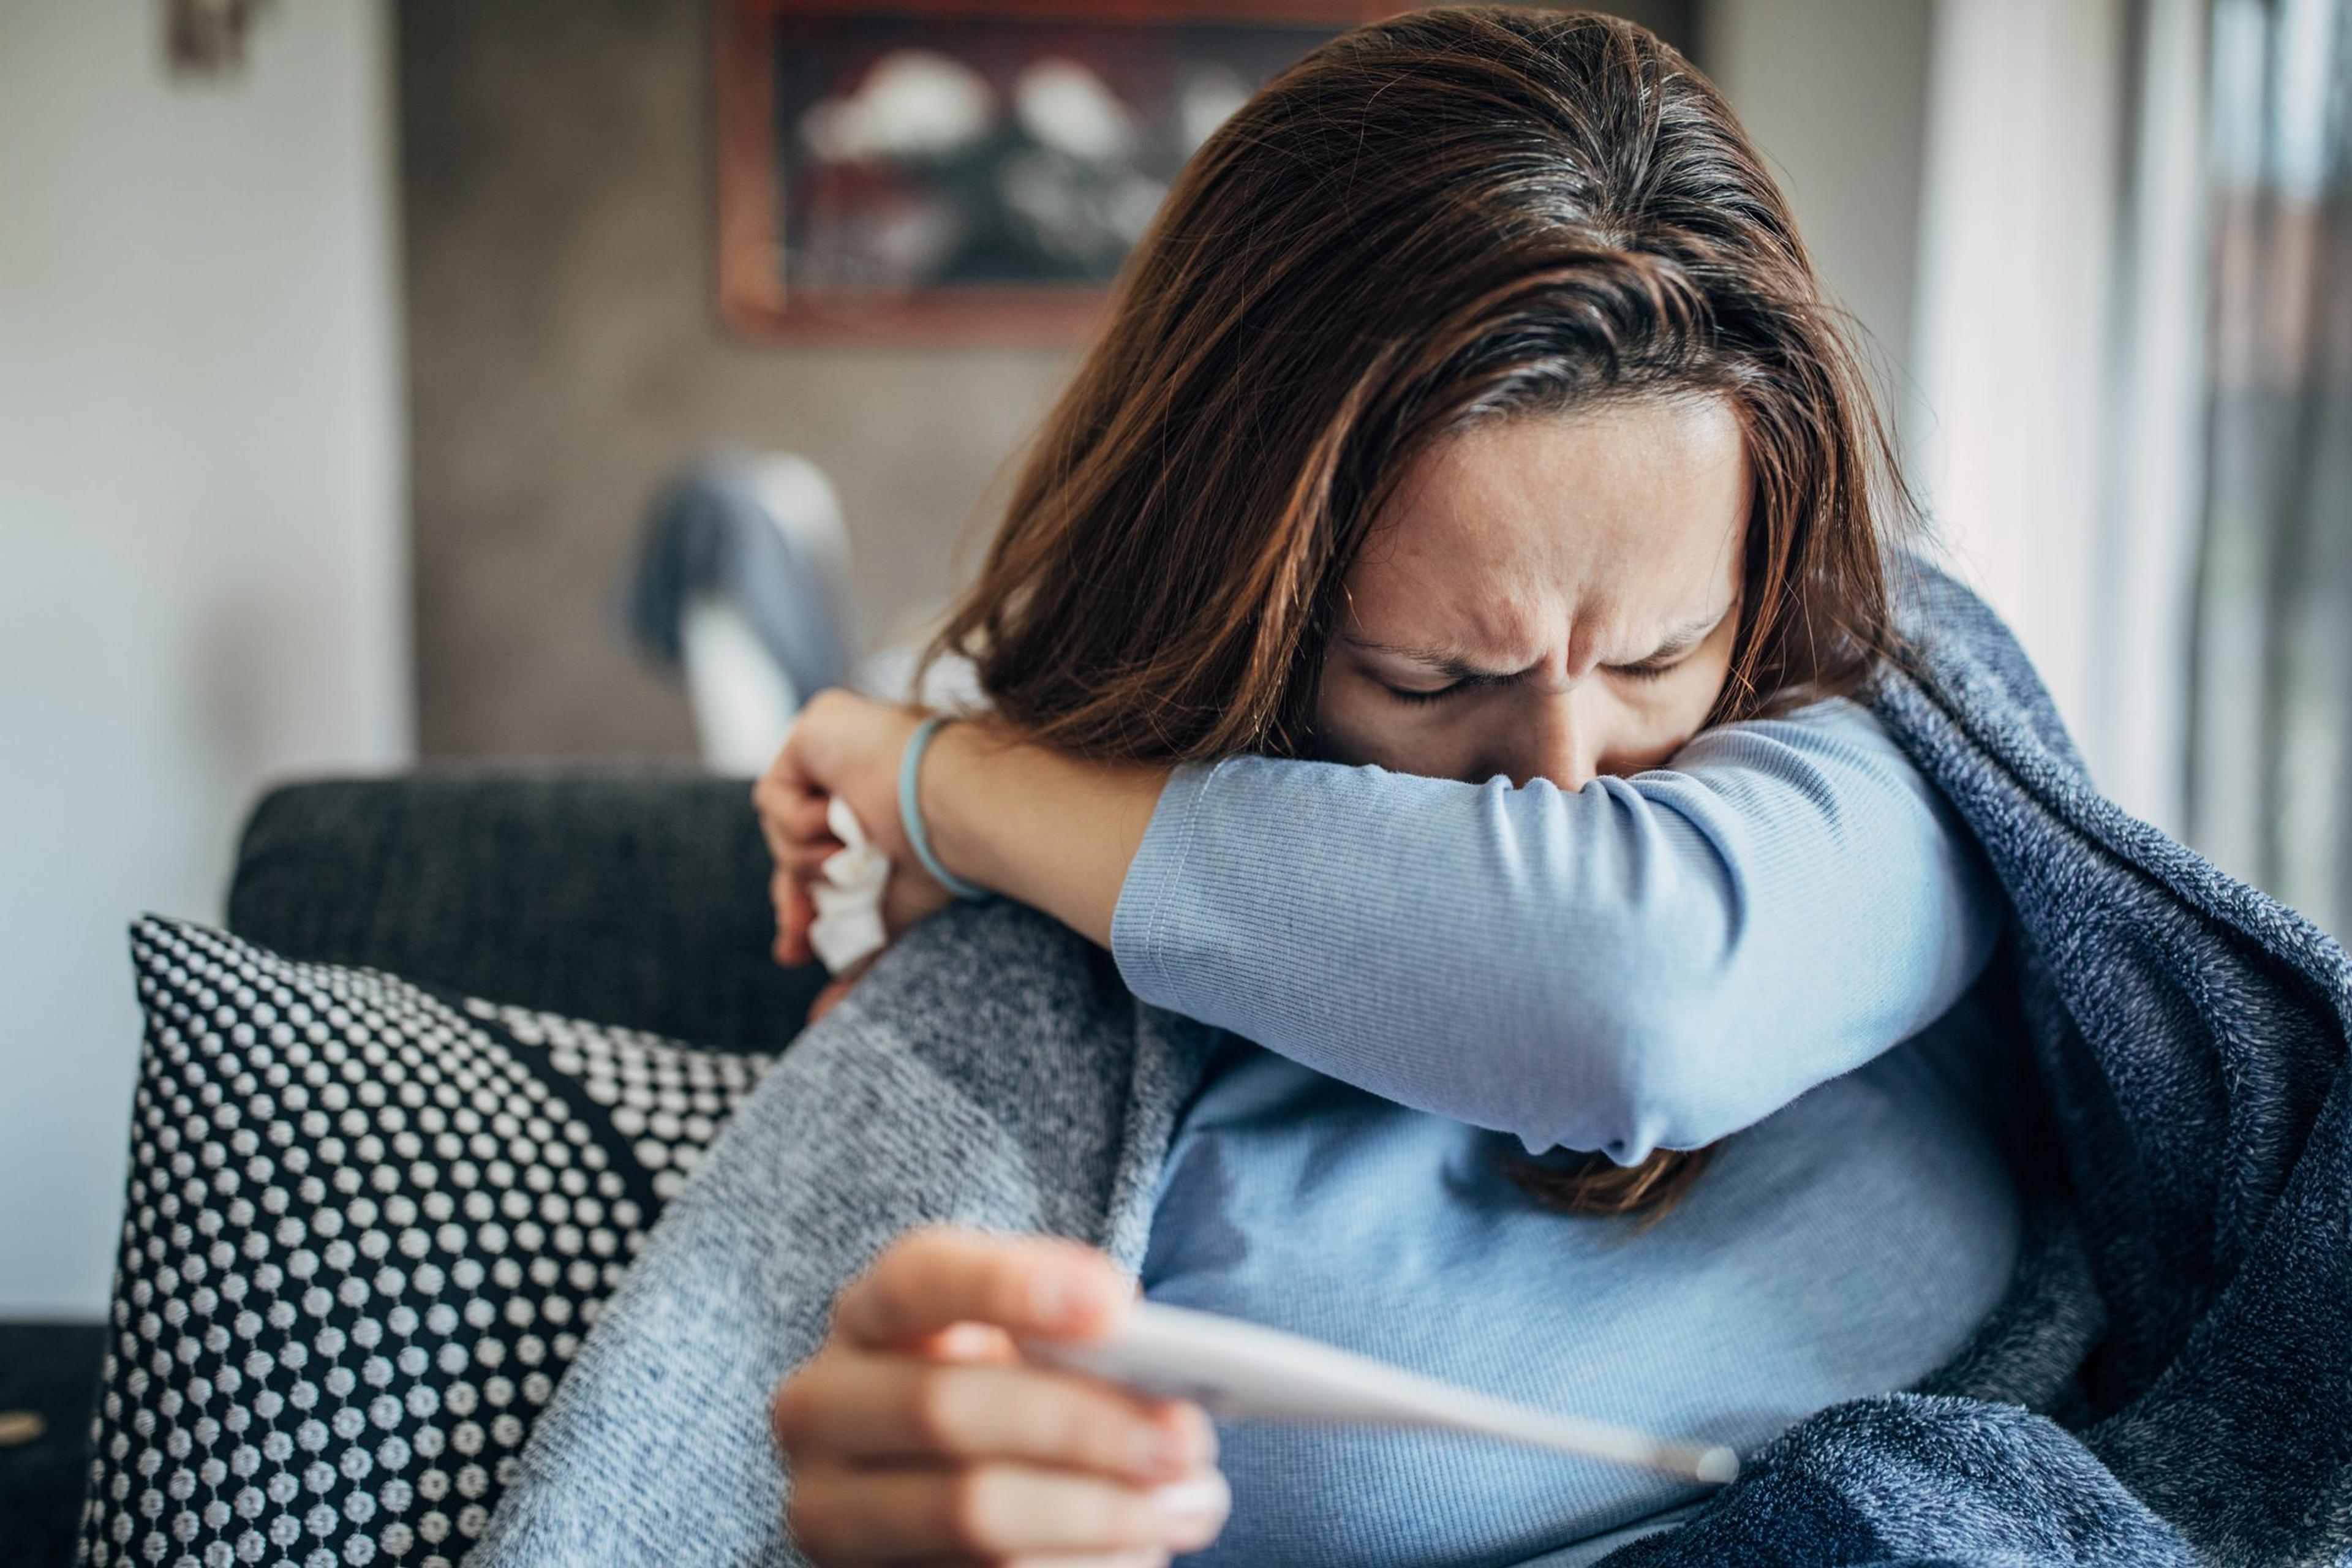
(2169, 1380)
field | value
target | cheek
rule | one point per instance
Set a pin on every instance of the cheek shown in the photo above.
(1650, 730)
(1711, 672)
(1357, 722)
(1658, 721)
(1353, 721)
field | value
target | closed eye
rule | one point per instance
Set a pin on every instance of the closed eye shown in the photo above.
(1676, 651)
(1440, 694)
(1648, 669)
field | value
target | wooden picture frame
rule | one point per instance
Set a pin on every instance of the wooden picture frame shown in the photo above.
(768, 52)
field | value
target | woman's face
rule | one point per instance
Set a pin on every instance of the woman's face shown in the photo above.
(1550, 596)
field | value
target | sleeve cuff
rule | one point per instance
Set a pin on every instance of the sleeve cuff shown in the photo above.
(1139, 922)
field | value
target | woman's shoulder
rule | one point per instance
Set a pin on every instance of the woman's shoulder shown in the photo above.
(971, 960)
(1030, 1022)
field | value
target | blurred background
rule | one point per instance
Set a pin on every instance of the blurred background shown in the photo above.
(352, 353)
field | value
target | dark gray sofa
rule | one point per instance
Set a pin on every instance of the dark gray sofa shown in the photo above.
(628, 896)
(296, 1129)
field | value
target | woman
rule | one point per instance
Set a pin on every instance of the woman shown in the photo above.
(1471, 418)
(1449, 309)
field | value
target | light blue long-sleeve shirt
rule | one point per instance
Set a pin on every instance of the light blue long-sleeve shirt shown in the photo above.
(1721, 950)
(1846, 1245)
(1649, 962)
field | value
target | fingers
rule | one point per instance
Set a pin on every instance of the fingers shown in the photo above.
(824, 1000)
(917, 1434)
(789, 804)
(793, 817)
(795, 912)
(862, 1409)
(841, 745)
(1028, 1284)
(802, 815)
(800, 916)
(781, 785)
(968, 1342)
(806, 857)
(995, 1511)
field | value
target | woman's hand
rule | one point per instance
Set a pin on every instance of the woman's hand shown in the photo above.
(846, 746)
(916, 1432)
(1042, 828)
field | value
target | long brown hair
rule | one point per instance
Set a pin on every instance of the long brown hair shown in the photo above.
(1452, 215)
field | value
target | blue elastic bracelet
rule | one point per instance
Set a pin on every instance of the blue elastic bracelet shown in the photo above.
(911, 812)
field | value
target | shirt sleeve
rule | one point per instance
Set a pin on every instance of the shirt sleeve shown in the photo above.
(1650, 961)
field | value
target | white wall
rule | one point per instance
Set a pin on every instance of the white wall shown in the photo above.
(202, 557)
(1835, 92)
(2060, 342)
(2017, 285)
(2029, 266)
(2154, 471)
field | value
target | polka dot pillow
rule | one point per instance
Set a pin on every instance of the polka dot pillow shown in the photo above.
(367, 1224)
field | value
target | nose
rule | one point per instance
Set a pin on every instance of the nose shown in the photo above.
(1559, 740)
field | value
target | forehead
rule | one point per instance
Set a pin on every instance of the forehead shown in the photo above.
(1603, 519)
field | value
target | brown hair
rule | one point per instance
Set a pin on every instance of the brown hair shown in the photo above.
(1453, 215)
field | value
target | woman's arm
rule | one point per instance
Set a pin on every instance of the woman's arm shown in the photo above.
(1042, 828)
(1650, 961)
(917, 1428)
(1056, 832)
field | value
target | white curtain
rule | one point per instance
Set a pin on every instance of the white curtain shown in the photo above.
(2269, 765)
(2060, 352)
(2015, 290)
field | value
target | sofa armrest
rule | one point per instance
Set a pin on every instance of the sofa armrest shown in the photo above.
(636, 897)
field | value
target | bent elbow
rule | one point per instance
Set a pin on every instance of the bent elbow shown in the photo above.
(1653, 1077)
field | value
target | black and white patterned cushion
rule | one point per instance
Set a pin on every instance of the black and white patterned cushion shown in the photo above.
(367, 1224)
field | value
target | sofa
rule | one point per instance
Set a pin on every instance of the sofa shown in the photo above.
(397, 1132)
(635, 897)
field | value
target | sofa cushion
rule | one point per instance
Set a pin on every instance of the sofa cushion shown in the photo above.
(632, 896)
(367, 1222)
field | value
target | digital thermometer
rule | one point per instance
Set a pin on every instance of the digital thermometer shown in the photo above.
(1234, 1369)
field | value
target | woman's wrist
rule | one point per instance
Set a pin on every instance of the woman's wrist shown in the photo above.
(914, 818)
(1040, 826)
(946, 787)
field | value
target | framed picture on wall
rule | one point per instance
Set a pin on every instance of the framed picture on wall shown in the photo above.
(966, 170)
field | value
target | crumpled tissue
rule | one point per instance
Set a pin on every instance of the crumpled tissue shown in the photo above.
(848, 925)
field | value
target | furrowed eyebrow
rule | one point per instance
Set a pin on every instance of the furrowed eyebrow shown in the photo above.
(1451, 661)
(1683, 637)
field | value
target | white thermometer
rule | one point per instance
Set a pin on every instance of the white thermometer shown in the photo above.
(1239, 1369)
